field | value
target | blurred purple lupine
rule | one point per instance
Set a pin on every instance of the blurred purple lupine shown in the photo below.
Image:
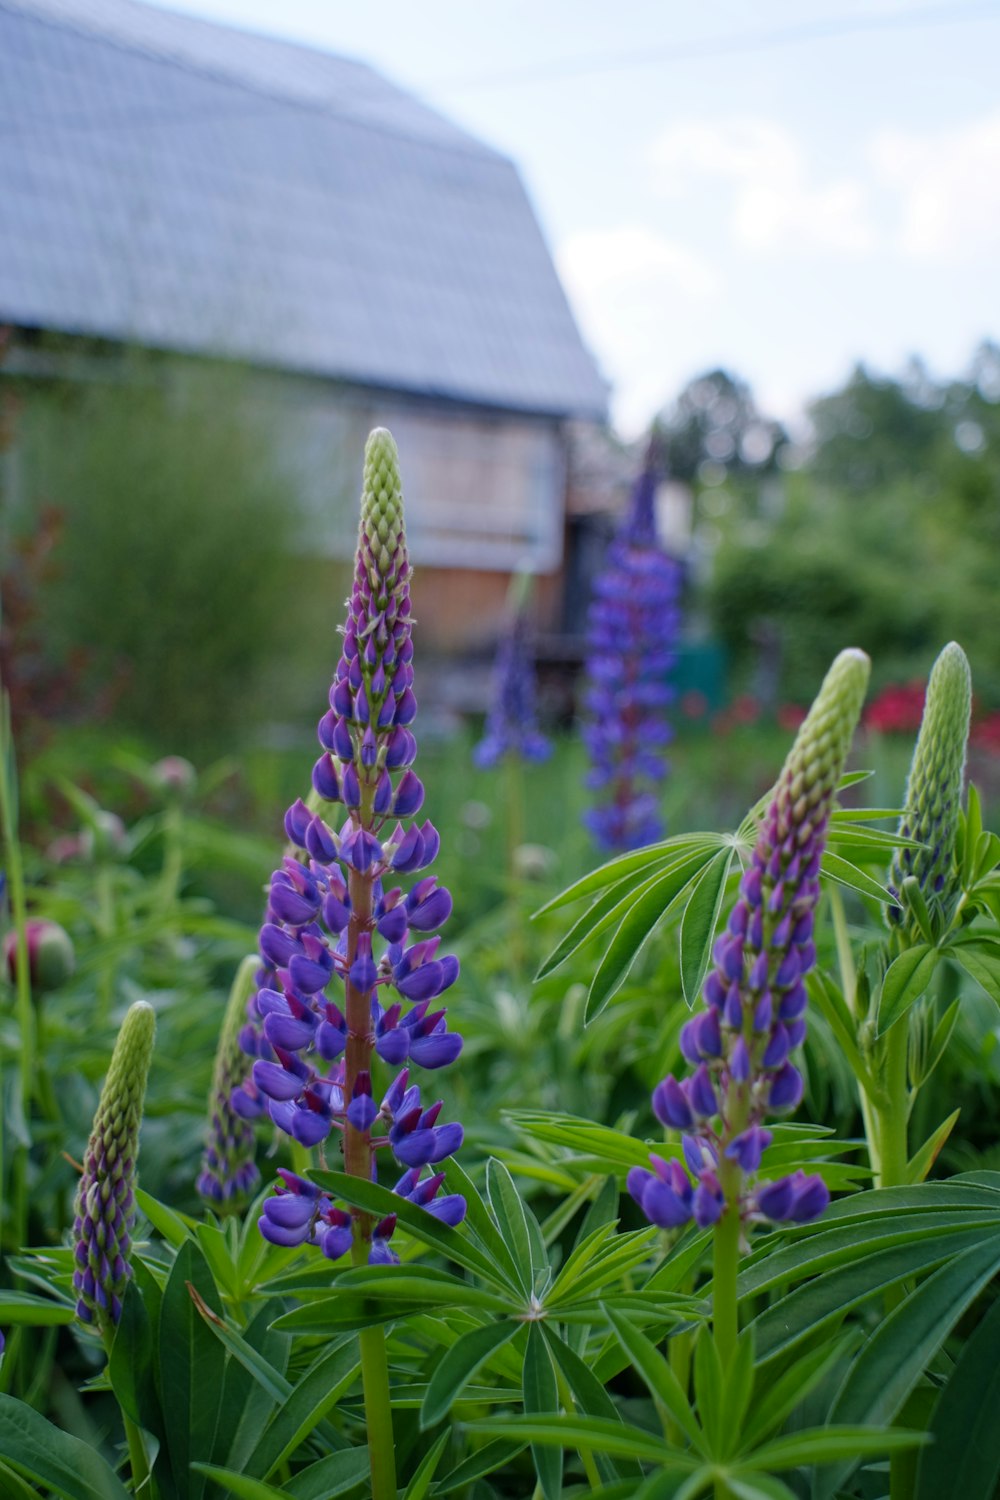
(512, 724)
(632, 628)
(739, 1045)
(339, 937)
(228, 1170)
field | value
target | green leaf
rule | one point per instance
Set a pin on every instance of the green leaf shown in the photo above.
(247, 1400)
(467, 1354)
(596, 1433)
(191, 1365)
(331, 1476)
(488, 1458)
(174, 1228)
(628, 864)
(828, 1445)
(37, 1312)
(238, 1484)
(757, 1487)
(43, 1453)
(982, 962)
(621, 1254)
(701, 916)
(419, 1486)
(479, 1221)
(331, 1374)
(893, 1359)
(827, 1298)
(655, 1371)
(510, 1215)
(604, 913)
(541, 1397)
(776, 1401)
(587, 1138)
(589, 1394)
(906, 979)
(846, 874)
(645, 909)
(380, 1294)
(922, 1161)
(131, 1363)
(963, 1461)
(709, 1389)
(379, 1201)
(737, 1390)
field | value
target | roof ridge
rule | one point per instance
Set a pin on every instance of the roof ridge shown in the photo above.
(463, 143)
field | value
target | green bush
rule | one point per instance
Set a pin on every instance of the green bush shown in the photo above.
(174, 587)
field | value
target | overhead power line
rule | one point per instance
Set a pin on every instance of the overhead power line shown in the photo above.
(760, 40)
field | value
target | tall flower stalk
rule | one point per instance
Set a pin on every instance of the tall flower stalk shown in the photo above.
(631, 633)
(739, 1045)
(344, 950)
(925, 884)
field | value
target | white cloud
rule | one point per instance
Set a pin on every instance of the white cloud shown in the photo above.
(948, 185)
(629, 286)
(775, 204)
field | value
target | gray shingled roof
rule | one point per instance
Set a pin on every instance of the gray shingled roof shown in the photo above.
(187, 186)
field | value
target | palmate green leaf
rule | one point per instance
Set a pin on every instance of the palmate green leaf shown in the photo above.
(589, 1395)
(191, 1365)
(131, 1362)
(45, 1454)
(894, 1357)
(906, 979)
(757, 1487)
(613, 1147)
(606, 911)
(541, 1397)
(467, 1354)
(336, 1474)
(272, 1380)
(660, 1379)
(379, 1201)
(709, 1390)
(622, 1254)
(174, 1227)
(963, 1460)
(644, 911)
(629, 864)
(701, 917)
(511, 1216)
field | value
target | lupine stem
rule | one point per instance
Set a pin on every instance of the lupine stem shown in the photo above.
(725, 1320)
(378, 1405)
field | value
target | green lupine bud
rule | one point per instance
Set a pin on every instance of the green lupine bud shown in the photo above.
(382, 540)
(810, 775)
(228, 1170)
(105, 1200)
(934, 790)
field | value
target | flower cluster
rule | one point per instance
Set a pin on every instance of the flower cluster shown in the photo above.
(105, 1206)
(228, 1170)
(934, 789)
(512, 723)
(739, 1045)
(351, 961)
(631, 630)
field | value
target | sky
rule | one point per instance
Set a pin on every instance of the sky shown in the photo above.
(783, 190)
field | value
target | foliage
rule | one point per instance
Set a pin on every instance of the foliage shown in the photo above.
(173, 563)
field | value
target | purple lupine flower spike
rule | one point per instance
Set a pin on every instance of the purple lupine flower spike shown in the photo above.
(512, 723)
(631, 632)
(348, 968)
(105, 1199)
(228, 1171)
(739, 1045)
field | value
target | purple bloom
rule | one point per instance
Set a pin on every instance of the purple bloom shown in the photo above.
(632, 627)
(755, 996)
(347, 968)
(511, 724)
